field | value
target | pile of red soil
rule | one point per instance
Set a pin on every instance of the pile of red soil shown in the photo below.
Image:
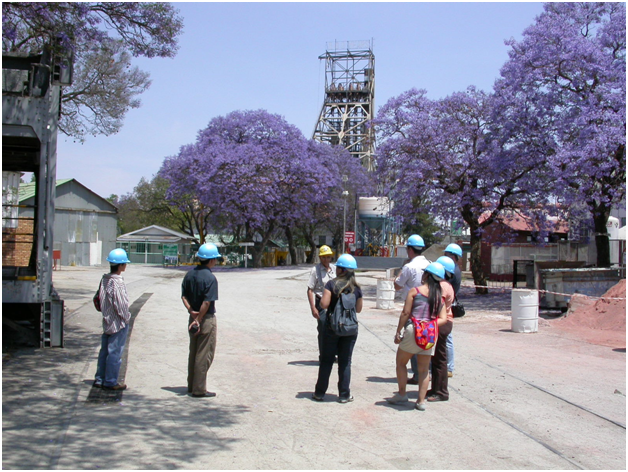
(606, 314)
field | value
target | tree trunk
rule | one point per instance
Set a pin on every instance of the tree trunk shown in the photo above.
(291, 248)
(479, 279)
(601, 212)
(258, 249)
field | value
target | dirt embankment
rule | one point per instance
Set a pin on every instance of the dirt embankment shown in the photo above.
(598, 320)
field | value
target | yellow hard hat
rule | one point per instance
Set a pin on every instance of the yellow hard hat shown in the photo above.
(325, 251)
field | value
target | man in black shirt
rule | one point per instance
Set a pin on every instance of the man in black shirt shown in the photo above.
(199, 292)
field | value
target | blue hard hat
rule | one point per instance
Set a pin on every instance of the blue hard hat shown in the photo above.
(436, 270)
(448, 263)
(347, 261)
(415, 240)
(118, 256)
(454, 249)
(208, 251)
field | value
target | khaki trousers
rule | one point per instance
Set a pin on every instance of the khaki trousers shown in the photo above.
(202, 349)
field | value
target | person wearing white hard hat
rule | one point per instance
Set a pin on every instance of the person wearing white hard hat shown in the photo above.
(320, 274)
(114, 305)
(409, 278)
(199, 293)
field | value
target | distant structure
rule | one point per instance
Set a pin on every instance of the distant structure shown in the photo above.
(349, 99)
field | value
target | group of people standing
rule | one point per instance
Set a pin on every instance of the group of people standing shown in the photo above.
(428, 290)
(199, 292)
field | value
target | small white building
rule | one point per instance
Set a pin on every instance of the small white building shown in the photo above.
(157, 245)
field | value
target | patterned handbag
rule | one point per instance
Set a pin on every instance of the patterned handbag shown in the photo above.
(425, 333)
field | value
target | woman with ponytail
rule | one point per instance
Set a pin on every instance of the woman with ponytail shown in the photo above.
(332, 344)
(423, 303)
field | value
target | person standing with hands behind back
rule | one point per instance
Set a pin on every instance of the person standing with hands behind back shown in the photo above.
(319, 276)
(199, 292)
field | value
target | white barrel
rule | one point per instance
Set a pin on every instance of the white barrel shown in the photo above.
(385, 295)
(525, 311)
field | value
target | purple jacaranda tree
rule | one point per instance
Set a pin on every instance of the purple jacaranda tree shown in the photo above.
(102, 37)
(254, 174)
(450, 158)
(570, 71)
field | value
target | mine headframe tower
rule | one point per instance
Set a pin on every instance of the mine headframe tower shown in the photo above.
(349, 99)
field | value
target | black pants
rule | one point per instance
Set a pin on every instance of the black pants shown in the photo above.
(332, 345)
(439, 364)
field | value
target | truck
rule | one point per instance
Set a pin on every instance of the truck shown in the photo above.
(32, 311)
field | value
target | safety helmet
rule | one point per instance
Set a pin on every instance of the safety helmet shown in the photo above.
(325, 251)
(347, 261)
(208, 251)
(437, 270)
(454, 249)
(448, 263)
(416, 241)
(118, 256)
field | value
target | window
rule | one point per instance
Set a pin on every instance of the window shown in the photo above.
(322, 240)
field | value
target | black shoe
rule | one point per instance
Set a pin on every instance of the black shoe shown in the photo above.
(436, 398)
(115, 387)
(204, 395)
(317, 397)
(413, 381)
(97, 384)
(345, 400)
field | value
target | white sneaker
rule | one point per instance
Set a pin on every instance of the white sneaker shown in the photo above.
(420, 406)
(397, 399)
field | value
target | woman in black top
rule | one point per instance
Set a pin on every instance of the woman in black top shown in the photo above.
(331, 343)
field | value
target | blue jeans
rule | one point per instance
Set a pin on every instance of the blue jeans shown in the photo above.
(450, 352)
(332, 345)
(110, 357)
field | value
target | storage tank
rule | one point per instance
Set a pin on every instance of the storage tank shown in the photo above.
(374, 207)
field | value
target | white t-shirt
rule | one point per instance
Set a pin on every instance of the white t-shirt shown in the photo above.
(411, 275)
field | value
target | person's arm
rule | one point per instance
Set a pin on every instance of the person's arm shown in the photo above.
(120, 301)
(405, 314)
(311, 297)
(358, 305)
(401, 280)
(326, 300)
(442, 316)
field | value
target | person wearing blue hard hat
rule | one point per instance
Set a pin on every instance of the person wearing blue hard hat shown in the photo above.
(423, 303)
(443, 359)
(410, 277)
(114, 305)
(199, 293)
(333, 344)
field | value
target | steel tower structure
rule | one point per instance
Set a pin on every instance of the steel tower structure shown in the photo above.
(349, 99)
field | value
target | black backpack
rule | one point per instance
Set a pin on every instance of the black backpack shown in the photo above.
(344, 319)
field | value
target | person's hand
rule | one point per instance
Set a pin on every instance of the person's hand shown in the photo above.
(315, 314)
(194, 327)
(397, 338)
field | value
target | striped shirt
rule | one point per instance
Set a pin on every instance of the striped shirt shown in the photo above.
(114, 302)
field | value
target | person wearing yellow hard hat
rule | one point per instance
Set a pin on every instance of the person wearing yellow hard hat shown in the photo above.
(320, 274)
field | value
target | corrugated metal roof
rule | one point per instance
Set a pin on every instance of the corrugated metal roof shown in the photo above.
(28, 190)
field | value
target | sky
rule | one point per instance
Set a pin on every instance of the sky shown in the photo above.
(249, 56)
